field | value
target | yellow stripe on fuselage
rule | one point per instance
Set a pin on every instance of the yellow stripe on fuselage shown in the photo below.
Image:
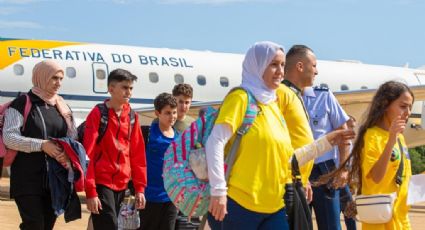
(7, 58)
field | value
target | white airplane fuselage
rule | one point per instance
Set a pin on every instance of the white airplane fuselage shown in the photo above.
(211, 74)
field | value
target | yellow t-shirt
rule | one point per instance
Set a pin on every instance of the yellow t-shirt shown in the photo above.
(259, 174)
(375, 140)
(299, 128)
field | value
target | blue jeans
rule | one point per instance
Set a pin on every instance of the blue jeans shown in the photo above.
(240, 218)
(344, 198)
(325, 202)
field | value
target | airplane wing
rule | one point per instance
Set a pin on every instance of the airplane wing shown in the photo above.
(365, 96)
(356, 103)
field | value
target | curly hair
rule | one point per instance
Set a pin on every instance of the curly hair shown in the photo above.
(163, 100)
(183, 89)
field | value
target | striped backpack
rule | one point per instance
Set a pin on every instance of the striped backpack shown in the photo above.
(188, 193)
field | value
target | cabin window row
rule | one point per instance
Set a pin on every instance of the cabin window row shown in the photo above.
(178, 79)
(71, 72)
(343, 87)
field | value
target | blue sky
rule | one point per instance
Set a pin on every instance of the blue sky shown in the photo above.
(387, 32)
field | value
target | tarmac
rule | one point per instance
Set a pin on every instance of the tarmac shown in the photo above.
(10, 219)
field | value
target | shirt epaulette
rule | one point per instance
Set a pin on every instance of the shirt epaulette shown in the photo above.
(321, 88)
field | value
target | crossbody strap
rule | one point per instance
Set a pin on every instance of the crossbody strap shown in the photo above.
(399, 174)
(296, 175)
(103, 123)
(297, 92)
(249, 117)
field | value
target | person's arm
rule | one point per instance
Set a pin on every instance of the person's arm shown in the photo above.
(138, 163)
(344, 147)
(12, 137)
(338, 119)
(322, 145)
(380, 168)
(89, 143)
(344, 152)
(214, 148)
(230, 117)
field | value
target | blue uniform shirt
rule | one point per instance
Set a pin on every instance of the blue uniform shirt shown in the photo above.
(326, 115)
(156, 147)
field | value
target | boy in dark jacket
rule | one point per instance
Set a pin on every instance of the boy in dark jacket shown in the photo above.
(117, 156)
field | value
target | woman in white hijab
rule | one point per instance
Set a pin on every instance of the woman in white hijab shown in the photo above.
(252, 199)
(253, 196)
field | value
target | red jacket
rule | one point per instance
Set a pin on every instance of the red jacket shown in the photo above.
(115, 159)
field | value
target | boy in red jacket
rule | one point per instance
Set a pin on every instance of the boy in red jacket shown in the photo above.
(117, 156)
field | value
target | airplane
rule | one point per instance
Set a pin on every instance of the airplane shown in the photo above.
(211, 74)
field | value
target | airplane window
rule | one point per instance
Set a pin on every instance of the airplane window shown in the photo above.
(70, 72)
(178, 79)
(224, 81)
(344, 87)
(153, 77)
(100, 74)
(18, 69)
(201, 80)
(324, 85)
(363, 87)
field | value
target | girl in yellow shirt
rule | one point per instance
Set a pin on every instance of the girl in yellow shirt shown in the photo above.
(376, 154)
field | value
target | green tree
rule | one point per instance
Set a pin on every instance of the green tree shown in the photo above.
(417, 157)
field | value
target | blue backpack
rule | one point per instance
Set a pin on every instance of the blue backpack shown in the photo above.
(188, 193)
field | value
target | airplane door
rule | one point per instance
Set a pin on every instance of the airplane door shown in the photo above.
(100, 75)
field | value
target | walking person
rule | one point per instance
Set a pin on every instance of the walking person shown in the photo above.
(115, 155)
(253, 197)
(160, 213)
(379, 149)
(49, 117)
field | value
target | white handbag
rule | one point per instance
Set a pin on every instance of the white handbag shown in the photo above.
(375, 209)
(378, 208)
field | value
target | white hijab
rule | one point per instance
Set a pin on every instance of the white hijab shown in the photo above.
(257, 58)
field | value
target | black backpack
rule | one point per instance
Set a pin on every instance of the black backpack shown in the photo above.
(104, 123)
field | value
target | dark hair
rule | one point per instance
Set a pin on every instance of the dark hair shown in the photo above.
(351, 117)
(163, 100)
(183, 89)
(119, 75)
(295, 54)
(386, 94)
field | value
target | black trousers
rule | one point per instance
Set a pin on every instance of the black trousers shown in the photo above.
(108, 216)
(158, 216)
(1, 166)
(183, 223)
(36, 212)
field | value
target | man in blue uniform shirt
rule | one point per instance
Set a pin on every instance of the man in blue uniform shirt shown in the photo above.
(325, 115)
